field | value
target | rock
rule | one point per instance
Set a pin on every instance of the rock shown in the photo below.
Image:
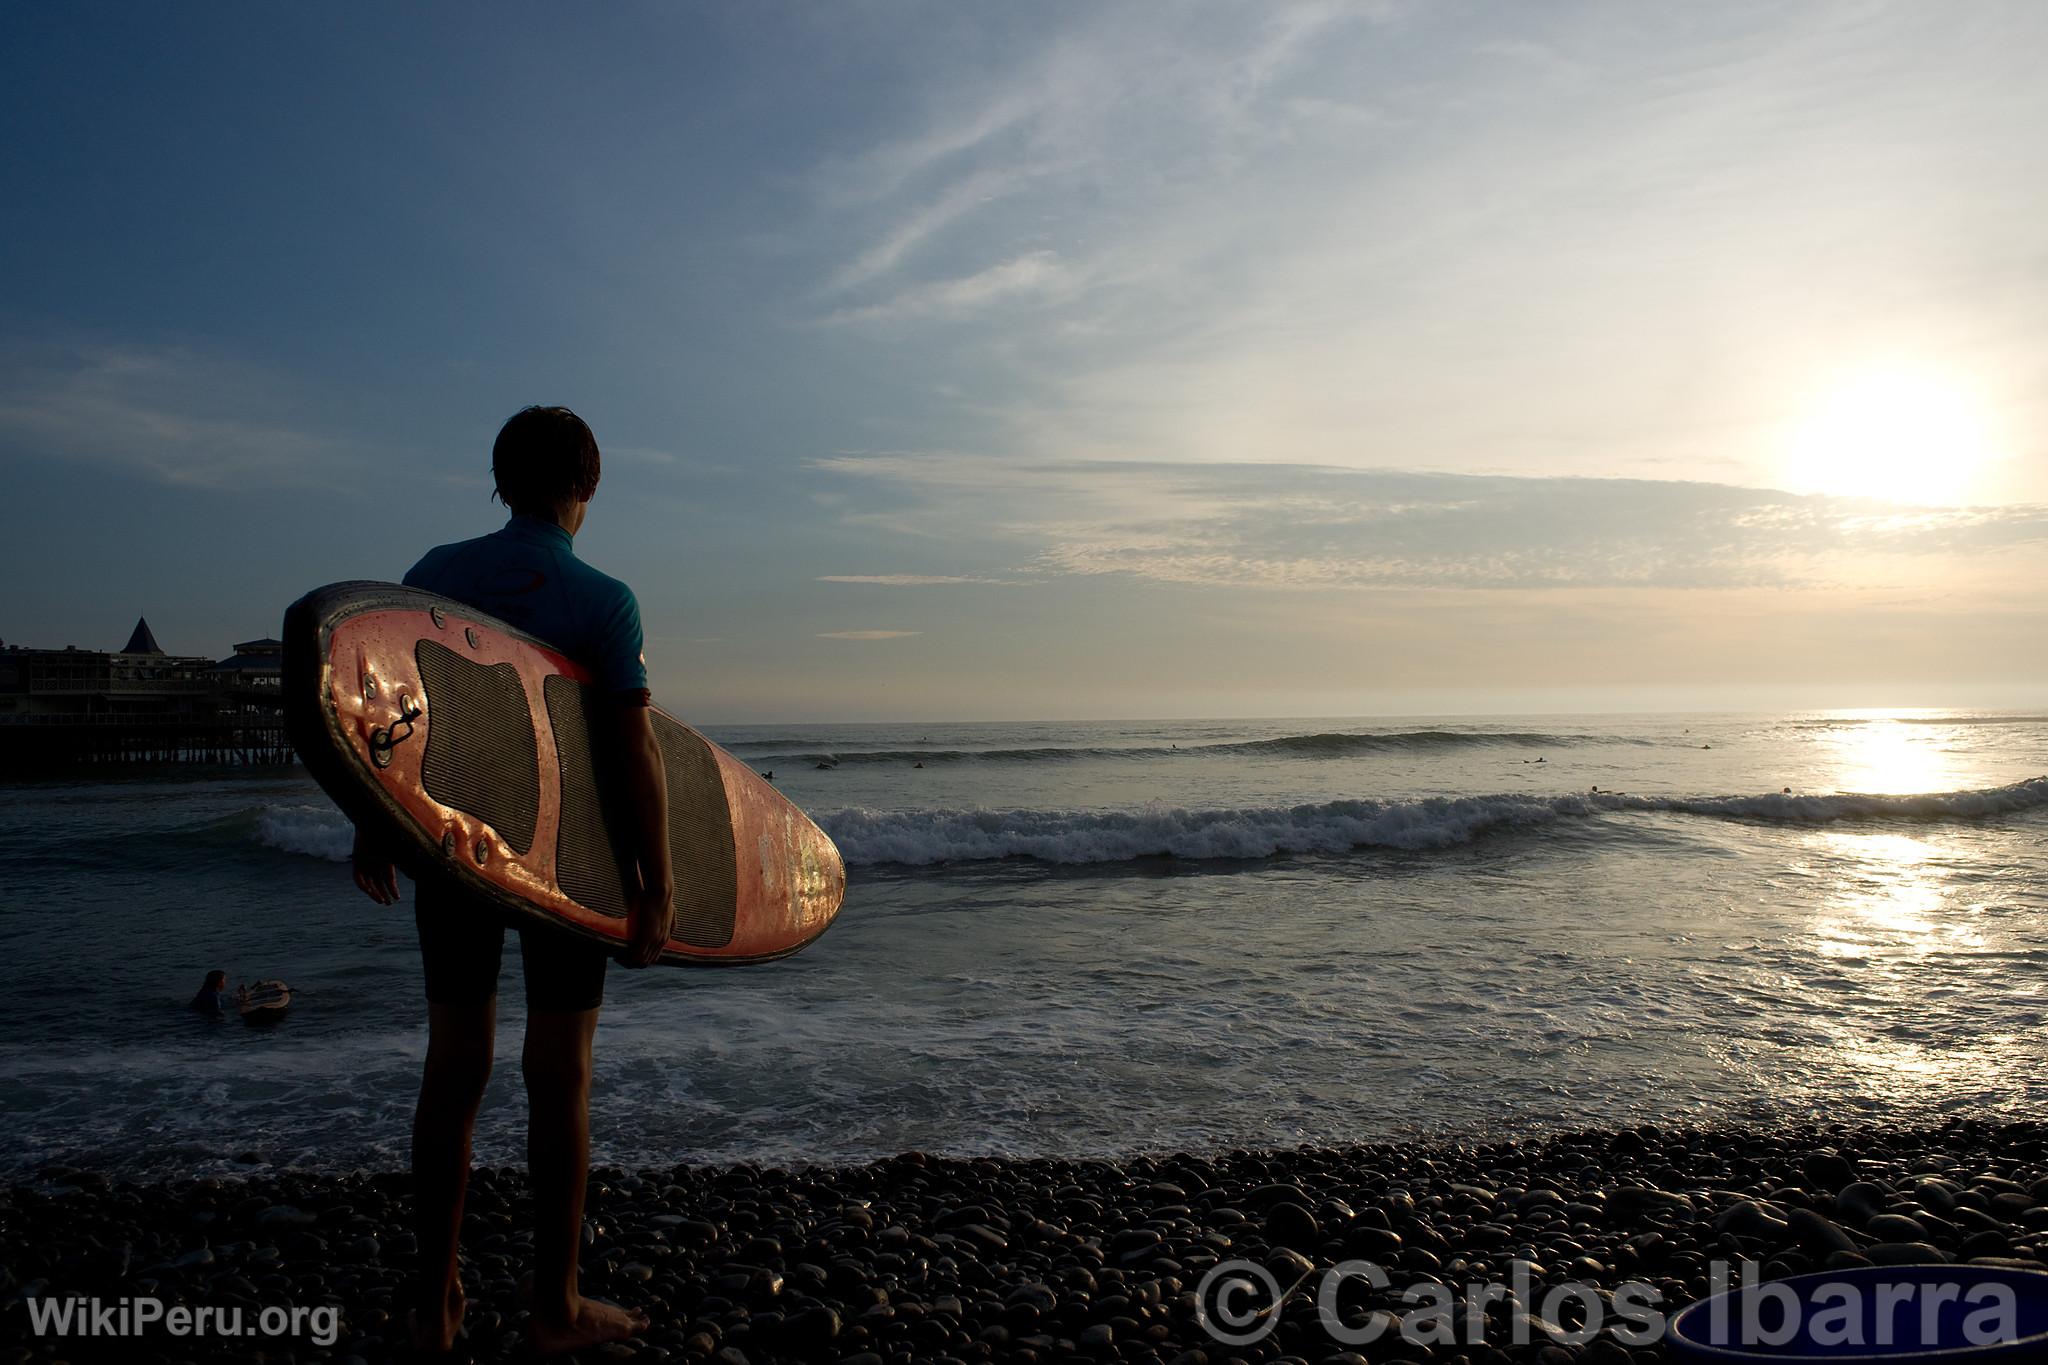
(1861, 1201)
(810, 1328)
(1291, 1225)
(1896, 1227)
(1905, 1253)
(1828, 1169)
(1747, 1218)
(986, 1239)
(1631, 1199)
(1267, 1195)
(284, 1216)
(1374, 1244)
(1817, 1234)
(1985, 1243)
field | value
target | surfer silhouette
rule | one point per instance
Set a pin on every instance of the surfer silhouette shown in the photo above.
(545, 464)
(213, 999)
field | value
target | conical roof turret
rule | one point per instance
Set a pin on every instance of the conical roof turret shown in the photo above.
(142, 642)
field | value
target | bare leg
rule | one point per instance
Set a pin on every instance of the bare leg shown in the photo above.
(459, 1045)
(557, 1065)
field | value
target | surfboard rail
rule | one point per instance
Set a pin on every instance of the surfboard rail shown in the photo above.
(506, 801)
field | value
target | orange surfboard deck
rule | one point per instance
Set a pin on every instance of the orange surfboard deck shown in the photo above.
(466, 743)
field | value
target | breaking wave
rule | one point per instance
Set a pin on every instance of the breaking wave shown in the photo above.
(316, 831)
(923, 838)
(1286, 746)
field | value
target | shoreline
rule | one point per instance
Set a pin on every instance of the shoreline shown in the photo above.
(979, 1259)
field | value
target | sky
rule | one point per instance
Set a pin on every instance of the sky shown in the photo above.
(1062, 360)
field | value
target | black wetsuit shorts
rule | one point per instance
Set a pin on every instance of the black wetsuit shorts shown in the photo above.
(462, 940)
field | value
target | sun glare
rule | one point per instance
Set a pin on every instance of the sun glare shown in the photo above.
(1900, 435)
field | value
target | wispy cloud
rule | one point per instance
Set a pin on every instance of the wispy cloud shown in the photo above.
(956, 202)
(1382, 235)
(174, 414)
(867, 634)
(1291, 527)
(1037, 273)
(914, 580)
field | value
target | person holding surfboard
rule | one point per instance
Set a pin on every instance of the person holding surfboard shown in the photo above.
(545, 465)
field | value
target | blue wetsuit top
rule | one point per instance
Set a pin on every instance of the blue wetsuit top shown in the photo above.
(528, 576)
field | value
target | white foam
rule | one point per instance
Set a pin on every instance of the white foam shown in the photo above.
(317, 831)
(921, 838)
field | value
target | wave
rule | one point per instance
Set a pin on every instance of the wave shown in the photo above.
(924, 838)
(317, 831)
(1843, 722)
(1285, 746)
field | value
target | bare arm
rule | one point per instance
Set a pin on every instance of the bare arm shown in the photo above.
(643, 795)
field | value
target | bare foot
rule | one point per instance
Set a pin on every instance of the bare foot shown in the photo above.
(435, 1334)
(593, 1322)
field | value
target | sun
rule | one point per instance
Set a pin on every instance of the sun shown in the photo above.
(1899, 434)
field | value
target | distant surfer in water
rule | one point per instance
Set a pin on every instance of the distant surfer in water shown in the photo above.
(213, 999)
(545, 464)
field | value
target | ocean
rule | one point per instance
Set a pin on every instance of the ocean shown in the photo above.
(1116, 937)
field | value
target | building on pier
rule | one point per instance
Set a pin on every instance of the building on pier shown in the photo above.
(75, 707)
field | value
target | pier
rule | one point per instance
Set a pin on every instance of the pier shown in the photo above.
(70, 708)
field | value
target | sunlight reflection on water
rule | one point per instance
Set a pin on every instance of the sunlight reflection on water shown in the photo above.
(1896, 916)
(1891, 754)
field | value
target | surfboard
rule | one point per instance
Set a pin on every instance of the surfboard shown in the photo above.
(467, 745)
(265, 1003)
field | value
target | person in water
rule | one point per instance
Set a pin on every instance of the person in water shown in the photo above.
(213, 999)
(545, 465)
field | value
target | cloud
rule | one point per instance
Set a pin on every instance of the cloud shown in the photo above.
(1385, 236)
(1076, 126)
(867, 634)
(913, 580)
(1035, 273)
(924, 222)
(1280, 527)
(649, 455)
(175, 414)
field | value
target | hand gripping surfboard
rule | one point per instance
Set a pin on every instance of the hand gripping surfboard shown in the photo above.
(466, 746)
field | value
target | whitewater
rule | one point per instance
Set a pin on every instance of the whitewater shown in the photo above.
(1122, 936)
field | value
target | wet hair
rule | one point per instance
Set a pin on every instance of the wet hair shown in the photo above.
(544, 457)
(216, 981)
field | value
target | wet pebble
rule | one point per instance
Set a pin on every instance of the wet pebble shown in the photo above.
(924, 1258)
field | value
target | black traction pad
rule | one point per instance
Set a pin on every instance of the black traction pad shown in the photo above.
(700, 836)
(481, 756)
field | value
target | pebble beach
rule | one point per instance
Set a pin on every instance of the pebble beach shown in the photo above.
(923, 1258)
